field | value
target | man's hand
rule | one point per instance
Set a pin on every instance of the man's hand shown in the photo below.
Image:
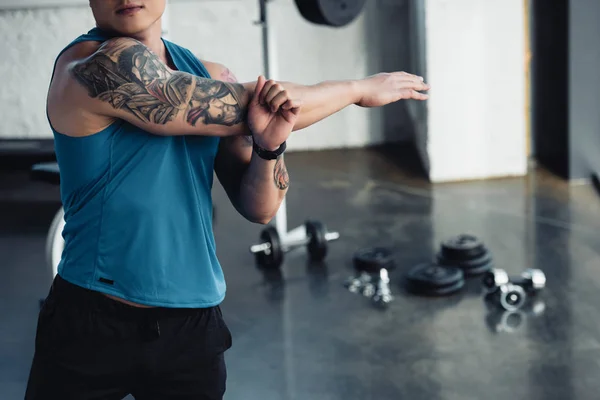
(272, 114)
(385, 88)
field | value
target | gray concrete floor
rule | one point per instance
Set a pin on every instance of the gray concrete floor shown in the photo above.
(301, 335)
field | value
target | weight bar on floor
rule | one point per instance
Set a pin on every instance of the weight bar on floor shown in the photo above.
(269, 253)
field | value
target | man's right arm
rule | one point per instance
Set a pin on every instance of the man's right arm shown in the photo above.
(124, 80)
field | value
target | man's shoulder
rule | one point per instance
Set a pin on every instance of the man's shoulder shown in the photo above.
(219, 71)
(214, 68)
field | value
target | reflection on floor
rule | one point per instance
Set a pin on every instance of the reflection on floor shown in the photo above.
(299, 334)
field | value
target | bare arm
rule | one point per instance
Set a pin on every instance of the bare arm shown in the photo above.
(122, 79)
(324, 99)
(320, 100)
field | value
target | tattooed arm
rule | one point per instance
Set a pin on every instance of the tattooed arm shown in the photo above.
(123, 79)
(256, 187)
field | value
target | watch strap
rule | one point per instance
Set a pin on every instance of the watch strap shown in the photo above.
(267, 154)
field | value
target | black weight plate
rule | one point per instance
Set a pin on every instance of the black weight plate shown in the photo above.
(275, 258)
(462, 247)
(432, 276)
(441, 291)
(373, 259)
(470, 267)
(317, 247)
(336, 13)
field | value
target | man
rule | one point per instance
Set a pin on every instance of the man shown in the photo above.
(140, 125)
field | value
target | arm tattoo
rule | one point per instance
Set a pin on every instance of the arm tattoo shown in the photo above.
(132, 78)
(228, 76)
(280, 175)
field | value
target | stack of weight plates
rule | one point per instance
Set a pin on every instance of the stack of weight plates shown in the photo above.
(466, 252)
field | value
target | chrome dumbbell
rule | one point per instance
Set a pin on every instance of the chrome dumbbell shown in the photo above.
(532, 280)
(512, 292)
(312, 234)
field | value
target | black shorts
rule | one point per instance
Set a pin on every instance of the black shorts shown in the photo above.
(91, 347)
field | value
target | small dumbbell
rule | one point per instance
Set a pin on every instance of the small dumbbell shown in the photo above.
(312, 234)
(511, 292)
(531, 280)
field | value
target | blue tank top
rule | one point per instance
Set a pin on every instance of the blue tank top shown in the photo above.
(138, 209)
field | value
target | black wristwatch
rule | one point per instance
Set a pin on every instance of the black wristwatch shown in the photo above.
(267, 154)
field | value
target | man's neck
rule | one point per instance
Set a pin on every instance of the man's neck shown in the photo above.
(151, 37)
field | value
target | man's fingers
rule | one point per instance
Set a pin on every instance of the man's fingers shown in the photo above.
(413, 94)
(290, 115)
(413, 85)
(265, 90)
(279, 100)
(274, 91)
(409, 76)
(293, 105)
(419, 96)
(260, 83)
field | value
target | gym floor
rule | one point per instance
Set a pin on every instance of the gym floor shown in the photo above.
(300, 334)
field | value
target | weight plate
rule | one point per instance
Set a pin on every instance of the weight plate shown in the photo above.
(434, 275)
(273, 257)
(471, 267)
(317, 247)
(373, 259)
(428, 276)
(440, 291)
(335, 13)
(462, 247)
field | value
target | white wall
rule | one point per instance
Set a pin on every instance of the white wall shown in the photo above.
(475, 59)
(223, 31)
(31, 39)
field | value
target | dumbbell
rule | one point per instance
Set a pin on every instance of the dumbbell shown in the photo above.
(512, 292)
(312, 234)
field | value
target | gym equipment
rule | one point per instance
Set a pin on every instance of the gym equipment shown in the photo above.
(512, 292)
(466, 252)
(511, 297)
(430, 279)
(371, 279)
(531, 280)
(313, 235)
(335, 13)
(493, 279)
(50, 173)
(372, 260)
